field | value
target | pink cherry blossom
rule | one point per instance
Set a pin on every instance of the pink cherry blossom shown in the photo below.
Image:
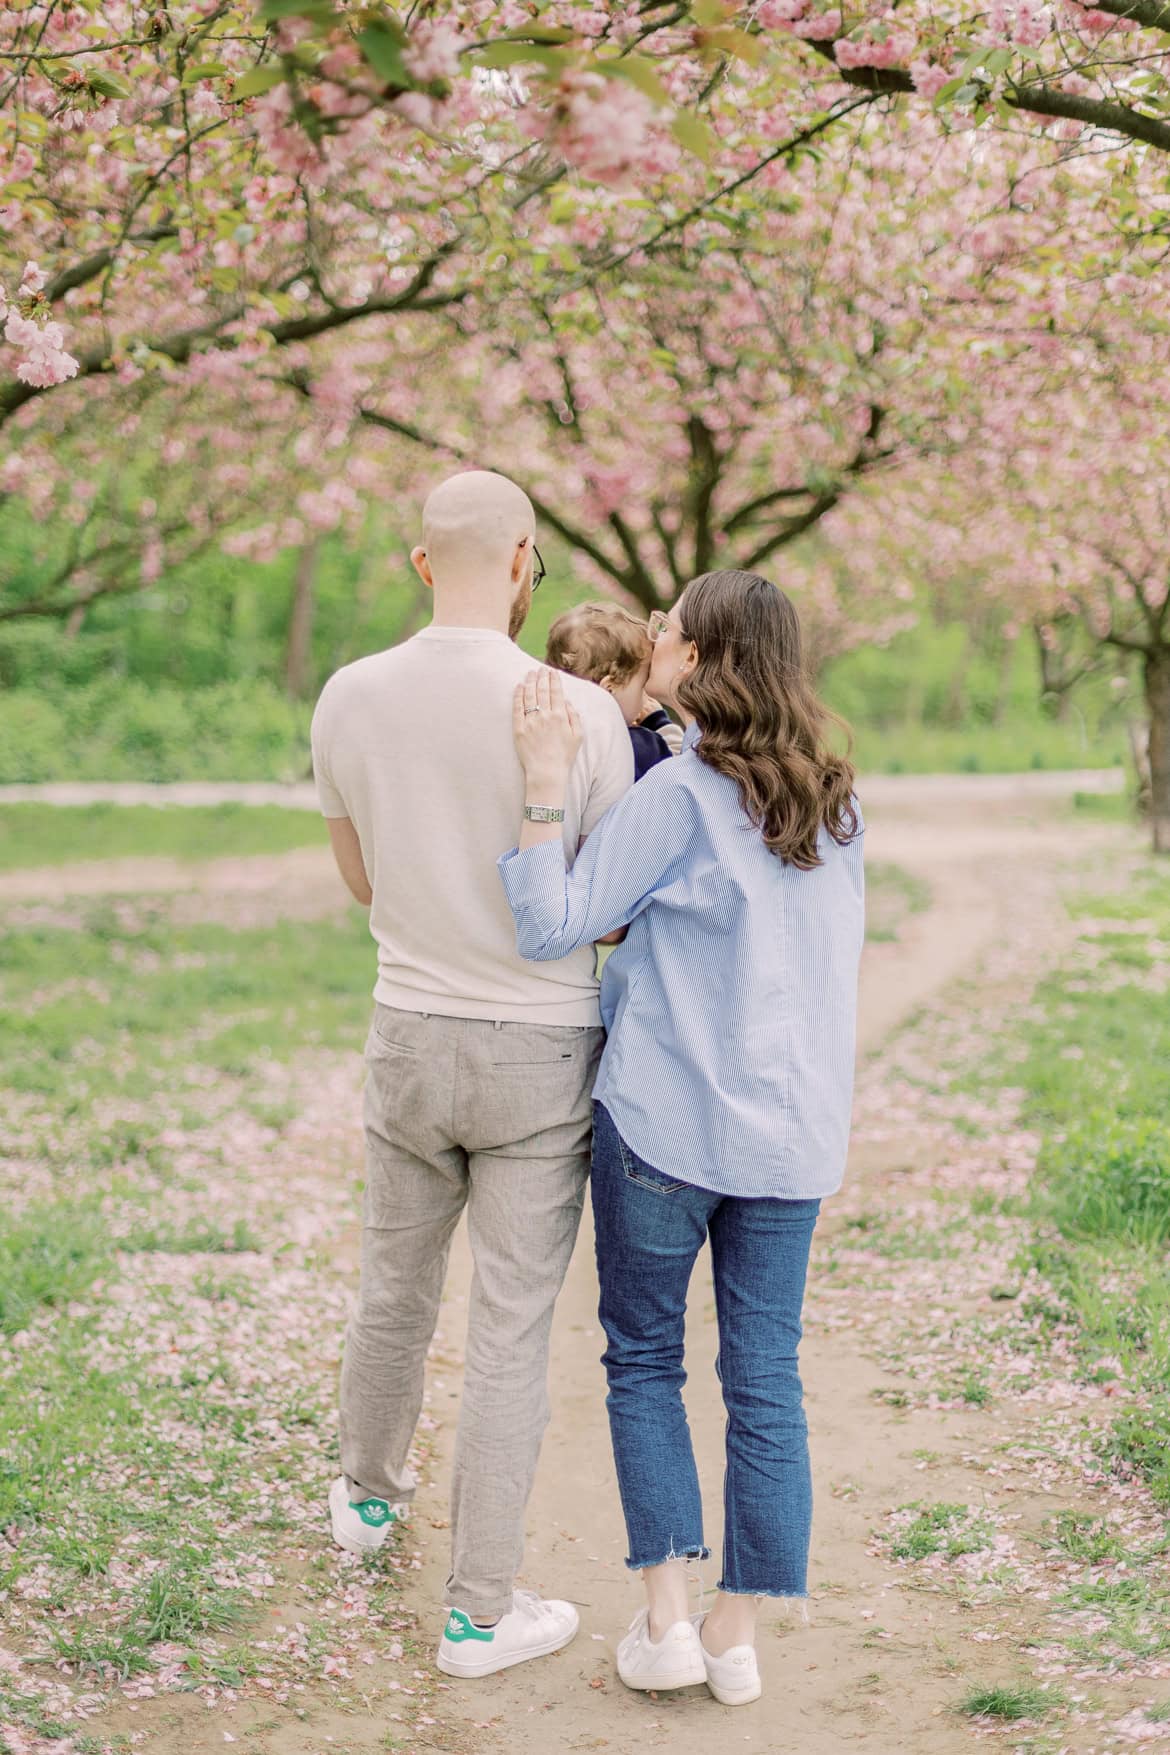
(819, 26)
(433, 52)
(929, 78)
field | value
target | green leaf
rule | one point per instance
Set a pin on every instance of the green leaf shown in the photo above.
(109, 85)
(639, 71)
(205, 70)
(548, 36)
(948, 92)
(515, 54)
(708, 12)
(382, 47)
(258, 79)
(694, 134)
(320, 11)
(737, 43)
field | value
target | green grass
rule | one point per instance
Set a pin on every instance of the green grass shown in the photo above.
(1113, 807)
(47, 1259)
(1093, 1073)
(113, 1034)
(124, 999)
(44, 834)
(892, 894)
(1082, 1537)
(1009, 1703)
(1025, 745)
(1108, 1179)
(951, 1530)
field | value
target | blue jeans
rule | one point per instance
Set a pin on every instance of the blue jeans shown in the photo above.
(650, 1227)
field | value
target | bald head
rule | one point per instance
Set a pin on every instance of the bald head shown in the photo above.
(472, 526)
(479, 538)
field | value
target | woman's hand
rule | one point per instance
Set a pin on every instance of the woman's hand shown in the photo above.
(546, 728)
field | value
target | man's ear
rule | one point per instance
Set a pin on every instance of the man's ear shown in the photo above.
(521, 558)
(418, 560)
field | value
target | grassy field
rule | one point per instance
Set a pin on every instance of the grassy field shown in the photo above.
(1095, 1084)
(171, 1318)
(43, 834)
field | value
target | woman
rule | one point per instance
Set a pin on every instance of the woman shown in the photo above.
(722, 1102)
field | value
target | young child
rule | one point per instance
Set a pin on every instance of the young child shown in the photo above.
(607, 645)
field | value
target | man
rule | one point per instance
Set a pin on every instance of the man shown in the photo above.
(480, 1066)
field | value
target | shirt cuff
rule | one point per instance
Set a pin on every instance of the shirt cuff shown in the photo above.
(534, 883)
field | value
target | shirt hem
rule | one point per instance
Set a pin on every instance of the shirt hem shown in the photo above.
(584, 1011)
(763, 1184)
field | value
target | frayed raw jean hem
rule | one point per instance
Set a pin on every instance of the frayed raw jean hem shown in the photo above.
(699, 1553)
(797, 1600)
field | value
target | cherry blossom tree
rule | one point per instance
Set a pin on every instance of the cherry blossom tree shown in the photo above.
(1057, 514)
(862, 310)
(222, 174)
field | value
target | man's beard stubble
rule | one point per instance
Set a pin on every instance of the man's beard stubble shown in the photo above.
(521, 604)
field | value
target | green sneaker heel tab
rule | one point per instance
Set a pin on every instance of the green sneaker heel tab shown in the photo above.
(374, 1512)
(460, 1627)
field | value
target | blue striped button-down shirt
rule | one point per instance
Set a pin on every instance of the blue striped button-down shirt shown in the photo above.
(731, 1006)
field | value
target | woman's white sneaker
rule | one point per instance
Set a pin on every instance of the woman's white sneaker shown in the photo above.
(733, 1678)
(532, 1628)
(361, 1528)
(676, 1661)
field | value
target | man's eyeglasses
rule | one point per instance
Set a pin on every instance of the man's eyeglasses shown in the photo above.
(539, 570)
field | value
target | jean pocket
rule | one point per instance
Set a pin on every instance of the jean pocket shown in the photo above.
(645, 1175)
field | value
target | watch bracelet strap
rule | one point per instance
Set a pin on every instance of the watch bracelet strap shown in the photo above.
(542, 813)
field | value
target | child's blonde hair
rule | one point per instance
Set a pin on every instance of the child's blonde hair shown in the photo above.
(600, 641)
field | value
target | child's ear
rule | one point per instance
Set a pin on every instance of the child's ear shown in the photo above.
(606, 683)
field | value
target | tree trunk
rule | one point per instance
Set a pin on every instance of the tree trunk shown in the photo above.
(954, 707)
(298, 653)
(1003, 680)
(1157, 679)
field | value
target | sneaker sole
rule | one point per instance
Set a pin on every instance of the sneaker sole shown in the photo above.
(736, 1696)
(352, 1544)
(469, 1671)
(692, 1678)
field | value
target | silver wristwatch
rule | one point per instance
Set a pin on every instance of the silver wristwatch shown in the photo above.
(542, 813)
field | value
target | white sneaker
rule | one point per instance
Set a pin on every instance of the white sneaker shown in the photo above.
(361, 1528)
(531, 1628)
(675, 1662)
(734, 1678)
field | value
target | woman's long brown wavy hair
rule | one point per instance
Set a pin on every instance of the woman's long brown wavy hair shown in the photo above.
(761, 721)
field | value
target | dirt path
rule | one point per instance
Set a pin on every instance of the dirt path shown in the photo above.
(875, 1669)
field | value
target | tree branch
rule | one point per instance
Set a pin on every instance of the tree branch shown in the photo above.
(1153, 14)
(405, 429)
(182, 343)
(1040, 100)
(91, 266)
(792, 528)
